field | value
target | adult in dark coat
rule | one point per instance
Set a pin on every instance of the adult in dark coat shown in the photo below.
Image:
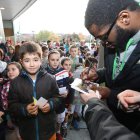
(116, 24)
(101, 122)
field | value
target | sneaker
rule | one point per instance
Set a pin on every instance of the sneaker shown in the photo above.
(58, 136)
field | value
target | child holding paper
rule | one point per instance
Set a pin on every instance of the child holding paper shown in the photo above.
(62, 78)
(66, 64)
(34, 122)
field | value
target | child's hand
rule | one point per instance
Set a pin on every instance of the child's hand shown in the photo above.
(32, 109)
(1, 113)
(45, 108)
(64, 95)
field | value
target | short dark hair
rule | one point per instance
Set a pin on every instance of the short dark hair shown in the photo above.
(30, 47)
(44, 48)
(104, 12)
(48, 41)
(90, 60)
(65, 59)
(61, 52)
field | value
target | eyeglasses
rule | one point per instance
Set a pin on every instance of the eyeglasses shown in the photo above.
(104, 38)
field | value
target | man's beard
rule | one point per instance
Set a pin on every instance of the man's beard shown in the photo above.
(123, 37)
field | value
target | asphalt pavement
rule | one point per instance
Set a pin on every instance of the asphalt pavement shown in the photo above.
(81, 134)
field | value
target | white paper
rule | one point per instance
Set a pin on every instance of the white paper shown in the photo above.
(62, 90)
(41, 102)
(75, 85)
(78, 89)
(76, 82)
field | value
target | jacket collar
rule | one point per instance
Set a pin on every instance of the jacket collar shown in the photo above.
(40, 73)
(133, 59)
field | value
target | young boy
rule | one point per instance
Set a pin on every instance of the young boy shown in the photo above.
(77, 68)
(76, 60)
(35, 122)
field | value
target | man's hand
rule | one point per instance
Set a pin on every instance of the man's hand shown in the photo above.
(32, 109)
(89, 75)
(129, 97)
(45, 108)
(88, 96)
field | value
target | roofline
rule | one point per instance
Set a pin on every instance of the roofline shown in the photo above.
(28, 5)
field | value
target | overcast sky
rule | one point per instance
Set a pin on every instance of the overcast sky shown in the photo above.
(59, 16)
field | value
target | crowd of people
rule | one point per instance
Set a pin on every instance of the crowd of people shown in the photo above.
(115, 23)
(36, 95)
(30, 71)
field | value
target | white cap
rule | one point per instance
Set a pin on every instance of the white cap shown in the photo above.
(3, 66)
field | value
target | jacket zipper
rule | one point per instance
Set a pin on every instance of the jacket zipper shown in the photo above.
(36, 119)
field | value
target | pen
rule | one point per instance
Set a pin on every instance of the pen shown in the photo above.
(90, 66)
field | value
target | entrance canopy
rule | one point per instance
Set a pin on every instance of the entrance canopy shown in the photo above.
(14, 8)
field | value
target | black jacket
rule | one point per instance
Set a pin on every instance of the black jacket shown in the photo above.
(22, 91)
(129, 78)
(102, 125)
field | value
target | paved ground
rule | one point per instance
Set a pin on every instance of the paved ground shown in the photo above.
(81, 134)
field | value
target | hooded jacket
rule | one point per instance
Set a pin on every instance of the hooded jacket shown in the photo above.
(21, 93)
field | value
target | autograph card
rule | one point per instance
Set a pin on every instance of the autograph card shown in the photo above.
(41, 102)
(62, 90)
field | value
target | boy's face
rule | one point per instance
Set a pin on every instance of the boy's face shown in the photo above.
(31, 63)
(12, 71)
(67, 65)
(54, 60)
(73, 52)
